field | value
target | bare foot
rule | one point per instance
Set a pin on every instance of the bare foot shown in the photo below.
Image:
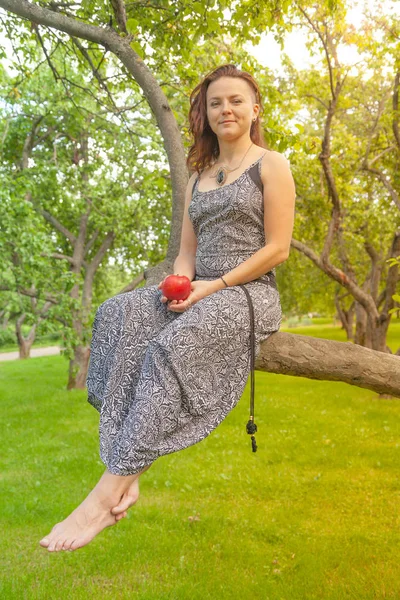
(112, 492)
(91, 516)
(81, 526)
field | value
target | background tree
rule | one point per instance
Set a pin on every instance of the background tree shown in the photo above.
(165, 43)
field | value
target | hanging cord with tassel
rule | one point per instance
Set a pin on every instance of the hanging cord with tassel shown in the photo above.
(251, 427)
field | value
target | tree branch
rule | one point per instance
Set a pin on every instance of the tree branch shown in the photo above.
(334, 273)
(70, 236)
(315, 358)
(120, 14)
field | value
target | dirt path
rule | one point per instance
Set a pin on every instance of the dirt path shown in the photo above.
(34, 353)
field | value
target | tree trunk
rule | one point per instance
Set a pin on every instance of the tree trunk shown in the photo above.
(78, 368)
(24, 348)
(361, 337)
(346, 318)
(24, 344)
(378, 334)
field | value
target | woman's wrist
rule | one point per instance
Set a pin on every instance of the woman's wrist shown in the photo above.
(218, 284)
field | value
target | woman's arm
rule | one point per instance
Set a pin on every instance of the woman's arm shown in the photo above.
(279, 205)
(185, 261)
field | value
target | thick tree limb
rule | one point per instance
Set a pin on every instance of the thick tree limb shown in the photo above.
(315, 358)
(326, 360)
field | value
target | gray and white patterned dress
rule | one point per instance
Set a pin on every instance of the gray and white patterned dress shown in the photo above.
(162, 380)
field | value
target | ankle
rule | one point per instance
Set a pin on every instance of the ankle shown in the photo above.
(115, 485)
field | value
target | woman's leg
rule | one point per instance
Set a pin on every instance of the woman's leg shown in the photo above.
(92, 515)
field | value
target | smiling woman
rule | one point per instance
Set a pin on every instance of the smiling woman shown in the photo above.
(164, 375)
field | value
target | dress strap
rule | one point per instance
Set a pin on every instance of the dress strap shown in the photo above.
(195, 181)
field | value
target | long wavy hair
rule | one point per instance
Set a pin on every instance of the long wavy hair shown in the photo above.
(205, 148)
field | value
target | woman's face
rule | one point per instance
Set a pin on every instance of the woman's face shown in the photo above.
(231, 107)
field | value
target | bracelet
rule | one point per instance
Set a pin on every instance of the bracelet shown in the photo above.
(224, 281)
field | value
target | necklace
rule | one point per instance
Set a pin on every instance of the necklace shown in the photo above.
(222, 172)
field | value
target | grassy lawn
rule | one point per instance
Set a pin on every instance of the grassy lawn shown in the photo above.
(313, 514)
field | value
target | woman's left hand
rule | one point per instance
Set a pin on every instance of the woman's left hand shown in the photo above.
(200, 289)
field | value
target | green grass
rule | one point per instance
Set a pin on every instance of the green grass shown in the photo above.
(313, 514)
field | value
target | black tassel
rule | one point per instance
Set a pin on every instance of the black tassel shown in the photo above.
(251, 428)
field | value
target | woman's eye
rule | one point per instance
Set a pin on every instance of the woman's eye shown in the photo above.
(216, 103)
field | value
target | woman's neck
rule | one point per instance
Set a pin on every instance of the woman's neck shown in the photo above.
(232, 152)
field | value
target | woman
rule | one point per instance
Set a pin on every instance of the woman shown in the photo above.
(162, 374)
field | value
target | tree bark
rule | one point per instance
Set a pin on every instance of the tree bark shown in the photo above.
(24, 344)
(78, 368)
(346, 317)
(315, 358)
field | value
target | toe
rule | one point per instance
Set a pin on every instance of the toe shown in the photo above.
(118, 509)
(59, 544)
(75, 545)
(125, 504)
(67, 543)
(44, 542)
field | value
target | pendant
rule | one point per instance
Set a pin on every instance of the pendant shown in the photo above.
(221, 175)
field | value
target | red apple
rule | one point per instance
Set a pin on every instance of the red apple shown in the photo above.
(176, 287)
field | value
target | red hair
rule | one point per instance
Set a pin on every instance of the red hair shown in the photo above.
(205, 147)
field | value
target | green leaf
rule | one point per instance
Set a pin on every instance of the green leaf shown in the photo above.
(137, 48)
(132, 25)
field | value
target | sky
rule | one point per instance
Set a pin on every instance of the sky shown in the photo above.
(268, 51)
